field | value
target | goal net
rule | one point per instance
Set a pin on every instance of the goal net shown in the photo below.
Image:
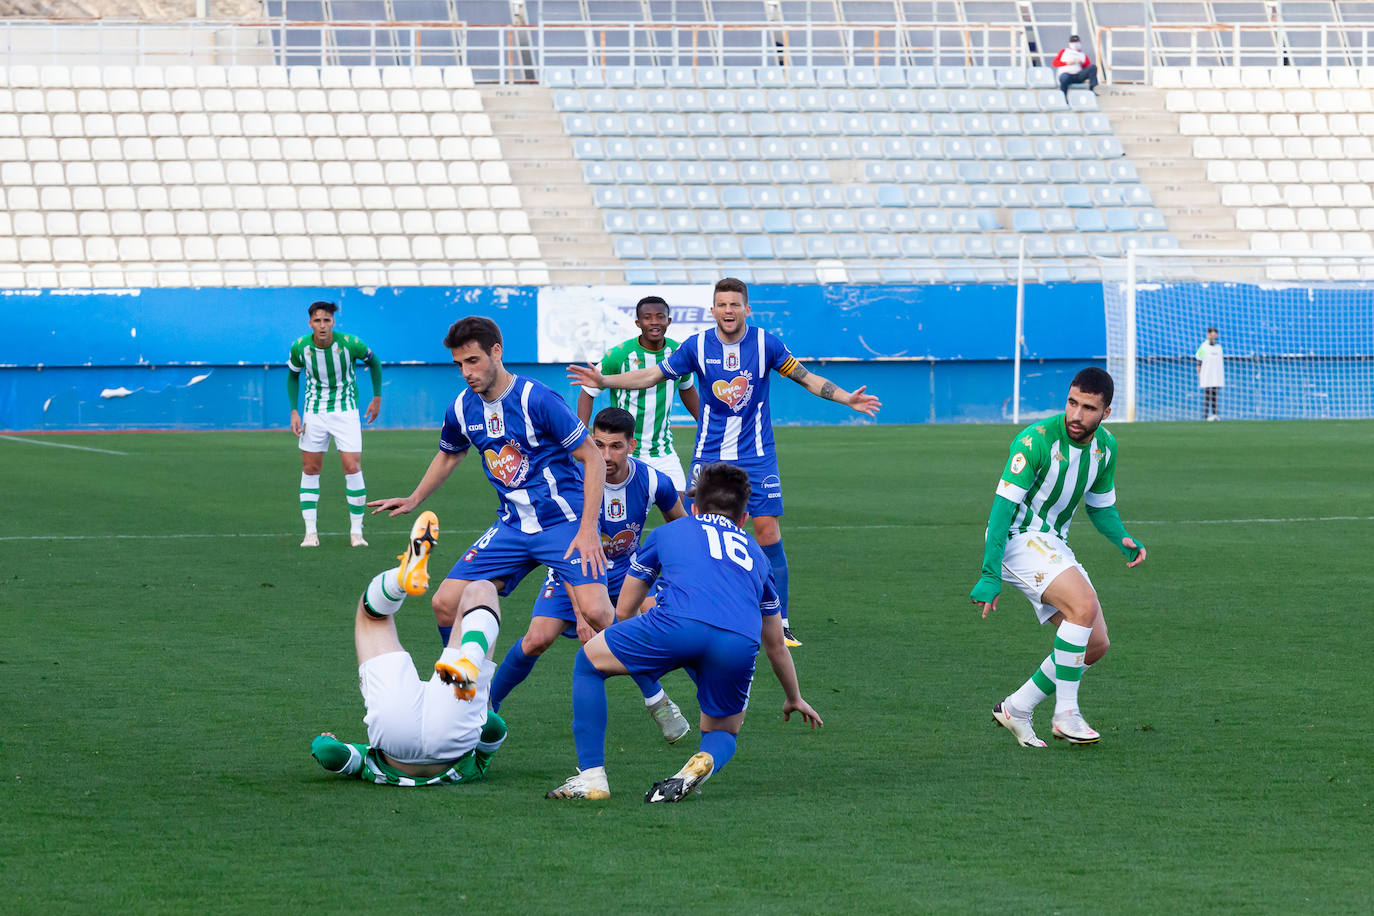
(1296, 335)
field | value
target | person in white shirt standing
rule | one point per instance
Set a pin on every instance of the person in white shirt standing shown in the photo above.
(1073, 65)
(1211, 374)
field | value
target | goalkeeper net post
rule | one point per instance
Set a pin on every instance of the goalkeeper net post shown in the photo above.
(1296, 334)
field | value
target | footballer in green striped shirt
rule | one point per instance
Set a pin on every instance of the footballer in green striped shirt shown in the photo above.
(652, 406)
(330, 411)
(1052, 466)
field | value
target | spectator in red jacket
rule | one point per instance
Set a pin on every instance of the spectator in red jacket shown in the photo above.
(1074, 66)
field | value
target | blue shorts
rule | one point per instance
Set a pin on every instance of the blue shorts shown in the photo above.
(507, 555)
(720, 662)
(553, 601)
(765, 486)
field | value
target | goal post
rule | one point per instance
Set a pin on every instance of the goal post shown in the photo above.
(1296, 334)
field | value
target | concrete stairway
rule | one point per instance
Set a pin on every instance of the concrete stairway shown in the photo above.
(1164, 157)
(559, 203)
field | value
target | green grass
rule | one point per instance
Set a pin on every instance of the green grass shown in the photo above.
(160, 695)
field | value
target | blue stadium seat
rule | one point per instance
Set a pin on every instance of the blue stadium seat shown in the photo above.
(1023, 100)
(813, 100)
(855, 125)
(734, 197)
(710, 77)
(1091, 172)
(1109, 148)
(858, 195)
(771, 148)
(1036, 124)
(982, 77)
(630, 100)
(867, 148)
(1049, 148)
(569, 100)
(1121, 219)
(987, 148)
(1136, 195)
(691, 173)
(963, 221)
(733, 124)
(840, 221)
(891, 77)
(740, 77)
(1012, 78)
(763, 124)
(588, 148)
(1057, 220)
(597, 173)
(828, 196)
(650, 148)
(776, 221)
(680, 148)
(825, 124)
(890, 195)
(599, 100)
(916, 124)
(842, 100)
(1095, 123)
(640, 273)
(782, 101)
(914, 245)
(607, 125)
(903, 221)
(1055, 272)
(670, 125)
(725, 246)
(691, 101)
(873, 101)
(1040, 246)
(620, 77)
(559, 77)
(1062, 172)
(984, 197)
(927, 148)
(934, 221)
(661, 247)
(1109, 195)
(650, 78)
(819, 246)
(877, 171)
(765, 196)
(1089, 221)
(952, 77)
(702, 197)
(935, 100)
(693, 247)
(1077, 196)
(1044, 195)
(579, 125)
(637, 197)
(1006, 245)
(814, 172)
(745, 221)
(886, 125)
(972, 172)
(1123, 172)
(796, 195)
(883, 246)
(721, 172)
(1066, 124)
(1024, 221)
(1032, 172)
(1019, 148)
(1150, 219)
(619, 148)
(609, 196)
(963, 100)
(1002, 172)
(1163, 240)
(713, 222)
(908, 171)
(1078, 148)
(871, 220)
(1103, 246)
(1014, 196)
(922, 77)
(700, 124)
(683, 222)
(978, 246)
(1052, 100)
(650, 222)
(904, 101)
(946, 247)
(897, 148)
(861, 77)
(922, 196)
(801, 77)
(787, 246)
(752, 171)
(770, 77)
(1071, 246)
(850, 246)
(1083, 101)
(940, 172)
(671, 196)
(975, 125)
(661, 100)
(945, 124)
(993, 101)
(627, 247)
(808, 221)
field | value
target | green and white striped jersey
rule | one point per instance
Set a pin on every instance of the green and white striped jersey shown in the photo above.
(1048, 475)
(651, 406)
(331, 382)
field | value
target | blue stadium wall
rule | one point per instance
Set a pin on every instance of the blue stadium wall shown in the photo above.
(214, 358)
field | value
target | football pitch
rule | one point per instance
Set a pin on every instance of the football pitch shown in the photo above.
(167, 652)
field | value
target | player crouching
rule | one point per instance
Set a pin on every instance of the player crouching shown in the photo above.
(431, 733)
(716, 601)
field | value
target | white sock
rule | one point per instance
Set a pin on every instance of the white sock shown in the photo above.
(356, 492)
(479, 631)
(1070, 645)
(310, 500)
(653, 700)
(379, 598)
(1029, 695)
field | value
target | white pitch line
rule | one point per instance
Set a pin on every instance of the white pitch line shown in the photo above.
(79, 448)
(292, 534)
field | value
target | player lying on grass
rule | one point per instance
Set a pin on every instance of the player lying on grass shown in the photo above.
(1052, 466)
(632, 489)
(430, 733)
(716, 598)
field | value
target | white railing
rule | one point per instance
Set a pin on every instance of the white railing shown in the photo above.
(1129, 53)
(513, 53)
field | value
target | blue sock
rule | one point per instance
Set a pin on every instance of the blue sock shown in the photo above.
(589, 712)
(720, 745)
(515, 667)
(445, 633)
(778, 559)
(649, 686)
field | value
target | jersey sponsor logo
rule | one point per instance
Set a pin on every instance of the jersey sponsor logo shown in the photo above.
(1056, 454)
(713, 362)
(622, 544)
(1027, 441)
(475, 428)
(772, 484)
(1039, 578)
(510, 465)
(1018, 463)
(735, 393)
(616, 510)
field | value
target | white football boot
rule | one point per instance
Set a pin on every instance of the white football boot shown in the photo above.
(1020, 726)
(1069, 726)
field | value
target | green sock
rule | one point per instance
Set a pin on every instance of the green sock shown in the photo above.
(336, 756)
(489, 742)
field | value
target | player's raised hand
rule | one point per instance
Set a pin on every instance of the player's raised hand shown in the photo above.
(394, 506)
(809, 715)
(1130, 544)
(864, 403)
(587, 545)
(587, 375)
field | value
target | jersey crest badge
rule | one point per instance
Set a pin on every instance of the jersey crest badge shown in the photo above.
(615, 510)
(735, 393)
(732, 360)
(1018, 463)
(495, 426)
(510, 465)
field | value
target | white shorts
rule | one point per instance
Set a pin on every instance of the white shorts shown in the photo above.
(1033, 560)
(343, 426)
(669, 464)
(416, 722)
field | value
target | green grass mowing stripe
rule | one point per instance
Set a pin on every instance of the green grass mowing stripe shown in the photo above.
(163, 694)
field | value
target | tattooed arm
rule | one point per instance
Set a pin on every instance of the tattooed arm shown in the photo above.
(822, 387)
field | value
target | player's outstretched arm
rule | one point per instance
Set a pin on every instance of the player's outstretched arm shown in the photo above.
(989, 585)
(823, 388)
(590, 376)
(786, 672)
(439, 468)
(1107, 521)
(586, 544)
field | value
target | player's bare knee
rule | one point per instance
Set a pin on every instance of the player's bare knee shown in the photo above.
(351, 464)
(312, 462)
(537, 643)
(445, 605)
(480, 594)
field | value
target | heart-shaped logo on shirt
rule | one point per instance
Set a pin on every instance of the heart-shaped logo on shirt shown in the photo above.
(624, 542)
(733, 392)
(508, 465)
